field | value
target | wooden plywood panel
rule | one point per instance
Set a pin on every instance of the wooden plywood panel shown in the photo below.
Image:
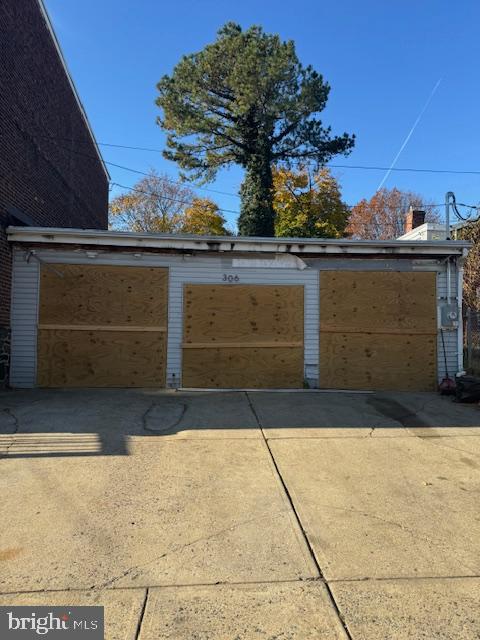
(248, 367)
(360, 300)
(243, 336)
(378, 330)
(368, 361)
(101, 358)
(101, 295)
(243, 313)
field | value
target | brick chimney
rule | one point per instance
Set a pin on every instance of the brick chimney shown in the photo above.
(414, 218)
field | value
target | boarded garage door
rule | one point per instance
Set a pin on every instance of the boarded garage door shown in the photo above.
(243, 336)
(378, 330)
(102, 326)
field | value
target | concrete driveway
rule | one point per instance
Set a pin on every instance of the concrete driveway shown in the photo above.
(289, 515)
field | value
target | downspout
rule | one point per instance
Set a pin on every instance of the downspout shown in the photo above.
(460, 316)
(449, 282)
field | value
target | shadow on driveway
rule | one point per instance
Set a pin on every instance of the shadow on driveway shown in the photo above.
(90, 422)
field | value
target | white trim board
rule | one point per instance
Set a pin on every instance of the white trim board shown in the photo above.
(76, 95)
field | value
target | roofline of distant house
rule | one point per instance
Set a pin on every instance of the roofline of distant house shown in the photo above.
(234, 244)
(56, 42)
(432, 226)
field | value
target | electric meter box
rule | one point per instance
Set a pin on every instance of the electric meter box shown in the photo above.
(449, 316)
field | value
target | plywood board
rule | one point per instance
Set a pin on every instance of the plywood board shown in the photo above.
(102, 326)
(243, 336)
(367, 361)
(358, 300)
(378, 330)
(243, 313)
(101, 358)
(101, 295)
(249, 367)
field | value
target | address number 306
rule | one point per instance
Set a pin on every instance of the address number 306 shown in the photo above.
(230, 278)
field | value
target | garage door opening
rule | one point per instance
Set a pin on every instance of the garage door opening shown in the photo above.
(378, 330)
(102, 326)
(243, 336)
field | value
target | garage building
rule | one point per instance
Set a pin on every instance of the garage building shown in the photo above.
(116, 309)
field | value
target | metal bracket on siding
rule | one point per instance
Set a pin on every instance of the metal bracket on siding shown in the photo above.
(31, 253)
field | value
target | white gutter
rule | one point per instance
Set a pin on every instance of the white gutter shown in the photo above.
(232, 244)
(76, 95)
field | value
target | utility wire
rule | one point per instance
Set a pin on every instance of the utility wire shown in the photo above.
(144, 173)
(408, 169)
(372, 224)
(163, 197)
(178, 182)
(456, 204)
(236, 213)
(334, 166)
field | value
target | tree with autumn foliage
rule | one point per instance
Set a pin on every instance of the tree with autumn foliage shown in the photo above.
(308, 206)
(383, 216)
(156, 203)
(161, 205)
(203, 217)
(471, 279)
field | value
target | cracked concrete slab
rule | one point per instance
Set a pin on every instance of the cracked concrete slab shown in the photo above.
(172, 512)
(443, 432)
(386, 507)
(8, 421)
(116, 414)
(242, 612)
(122, 607)
(164, 416)
(436, 410)
(445, 609)
(310, 414)
(334, 414)
(105, 489)
(203, 415)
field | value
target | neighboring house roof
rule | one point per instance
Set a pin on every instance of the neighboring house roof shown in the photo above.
(426, 231)
(431, 231)
(235, 244)
(48, 22)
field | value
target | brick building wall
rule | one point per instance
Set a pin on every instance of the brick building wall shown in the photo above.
(49, 166)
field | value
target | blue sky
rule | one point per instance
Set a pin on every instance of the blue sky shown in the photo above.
(382, 60)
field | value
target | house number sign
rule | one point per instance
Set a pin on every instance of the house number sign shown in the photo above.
(230, 278)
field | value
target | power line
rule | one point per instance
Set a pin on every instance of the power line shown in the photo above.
(405, 169)
(163, 197)
(334, 166)
(144, 173)
(455, 206)
(100, 144)
(179, 182)
(236, 213)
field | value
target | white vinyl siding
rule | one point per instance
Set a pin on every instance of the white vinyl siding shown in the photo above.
(24, 312)
(199, 270)
(450, 336)
(212, 271)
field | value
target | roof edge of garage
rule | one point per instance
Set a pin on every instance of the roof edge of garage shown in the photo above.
(229, 244)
